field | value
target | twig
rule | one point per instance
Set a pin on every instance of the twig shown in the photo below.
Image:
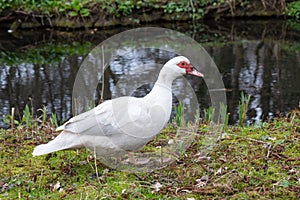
(264, 4)
(276, 155)
(103, 70)
(226, 174)
(139, 178)
(7, 17)
(193, 9)
(96, 168)
(251, 139)
(203, 167)
(269, 151)
(293, 159)
(12, 118)
(23, 12)
(41, 178)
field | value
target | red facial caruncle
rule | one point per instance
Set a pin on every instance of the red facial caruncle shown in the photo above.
(188, 67)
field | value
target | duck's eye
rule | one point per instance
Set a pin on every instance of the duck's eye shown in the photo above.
(183, 64)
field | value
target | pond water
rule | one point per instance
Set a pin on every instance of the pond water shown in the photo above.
(259, 58)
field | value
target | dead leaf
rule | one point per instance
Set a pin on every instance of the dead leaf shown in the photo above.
(219, 171)
(201, 182)
(123, 191)
(156, 186)
(56, 186)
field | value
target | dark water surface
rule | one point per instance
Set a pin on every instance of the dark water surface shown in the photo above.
(259, 58)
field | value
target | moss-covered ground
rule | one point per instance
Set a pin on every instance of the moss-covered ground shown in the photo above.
(249, 162)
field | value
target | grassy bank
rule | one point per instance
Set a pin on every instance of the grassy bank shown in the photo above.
(101, 13)
(249, 162)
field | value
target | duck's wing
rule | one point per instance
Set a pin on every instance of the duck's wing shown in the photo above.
(97, 121)
(138, 118)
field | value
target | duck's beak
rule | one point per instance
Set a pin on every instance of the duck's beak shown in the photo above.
(195, 72)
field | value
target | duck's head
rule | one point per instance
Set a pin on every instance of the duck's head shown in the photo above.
(182, 66)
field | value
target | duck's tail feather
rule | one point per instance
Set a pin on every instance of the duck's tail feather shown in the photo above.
(64, 140)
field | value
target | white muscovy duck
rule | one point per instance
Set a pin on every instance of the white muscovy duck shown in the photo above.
(123, 124)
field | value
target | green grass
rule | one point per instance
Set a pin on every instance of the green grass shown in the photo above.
(243, 107)
(120, 8)
(249, 162)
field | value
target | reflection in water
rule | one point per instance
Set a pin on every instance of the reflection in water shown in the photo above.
(266, 72)
(263, 68)
(38, 86)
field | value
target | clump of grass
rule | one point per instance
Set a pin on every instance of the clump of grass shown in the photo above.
(10, 119)
(27, 117)
(179, 117)
(243, 107)
(209, 114)
(224, 115)
(223, 118)
(29, 120)
(54, 120)
(43, 115)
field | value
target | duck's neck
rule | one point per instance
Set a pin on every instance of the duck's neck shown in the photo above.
(166, 77)
(163, 85)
